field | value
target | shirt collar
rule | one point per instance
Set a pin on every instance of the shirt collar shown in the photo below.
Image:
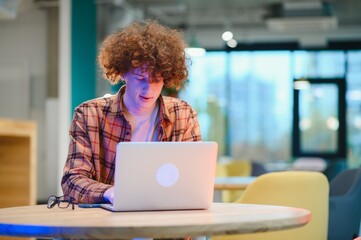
(117, 106)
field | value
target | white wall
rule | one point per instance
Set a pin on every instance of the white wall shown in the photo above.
(23, 44)
(64, 84)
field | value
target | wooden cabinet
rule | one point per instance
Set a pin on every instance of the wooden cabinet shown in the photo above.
(17, 163)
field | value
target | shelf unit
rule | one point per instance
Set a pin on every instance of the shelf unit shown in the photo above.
(18, 152)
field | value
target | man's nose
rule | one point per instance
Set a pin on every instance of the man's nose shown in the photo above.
(146, 84)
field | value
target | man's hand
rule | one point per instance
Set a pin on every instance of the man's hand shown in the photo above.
(109, 195)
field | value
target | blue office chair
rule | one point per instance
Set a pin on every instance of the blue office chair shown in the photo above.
(334, 168)
(257, 169)
(345, 205)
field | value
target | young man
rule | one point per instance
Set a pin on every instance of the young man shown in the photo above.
(147, 56)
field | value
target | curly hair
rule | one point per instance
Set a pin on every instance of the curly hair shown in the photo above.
(149, 45)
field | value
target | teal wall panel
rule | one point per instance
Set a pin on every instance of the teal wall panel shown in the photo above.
(83, 51)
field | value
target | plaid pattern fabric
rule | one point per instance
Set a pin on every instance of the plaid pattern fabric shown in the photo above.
(98, 125)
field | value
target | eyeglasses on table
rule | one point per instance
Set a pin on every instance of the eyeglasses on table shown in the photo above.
(62, 201)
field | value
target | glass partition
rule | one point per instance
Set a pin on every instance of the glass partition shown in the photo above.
(319, 120)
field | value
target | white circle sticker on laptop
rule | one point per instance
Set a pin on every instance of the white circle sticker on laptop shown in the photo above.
(167, 175)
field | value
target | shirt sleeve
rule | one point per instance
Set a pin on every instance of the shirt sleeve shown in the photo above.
(192, 130)
(79, 177)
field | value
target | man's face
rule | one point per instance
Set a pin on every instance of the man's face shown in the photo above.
(142, 90)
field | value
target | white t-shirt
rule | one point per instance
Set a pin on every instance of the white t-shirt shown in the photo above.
(143, 124)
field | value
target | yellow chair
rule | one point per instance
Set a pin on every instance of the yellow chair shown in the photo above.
(233, 168)
(301, 189)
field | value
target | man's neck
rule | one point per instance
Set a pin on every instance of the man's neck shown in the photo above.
(133, 109)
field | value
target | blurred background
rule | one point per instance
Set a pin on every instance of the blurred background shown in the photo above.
(283, 82)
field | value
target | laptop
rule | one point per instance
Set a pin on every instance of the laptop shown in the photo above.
(163, 176)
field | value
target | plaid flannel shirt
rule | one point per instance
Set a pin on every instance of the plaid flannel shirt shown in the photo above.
(98, 125)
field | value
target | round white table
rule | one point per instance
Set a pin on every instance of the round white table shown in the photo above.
(97, 223)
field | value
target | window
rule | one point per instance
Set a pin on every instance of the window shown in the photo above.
(244, 102)
(244, 99)
(319, 118)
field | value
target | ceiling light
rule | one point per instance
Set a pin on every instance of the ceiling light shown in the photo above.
(232, 43)
(227, 35)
